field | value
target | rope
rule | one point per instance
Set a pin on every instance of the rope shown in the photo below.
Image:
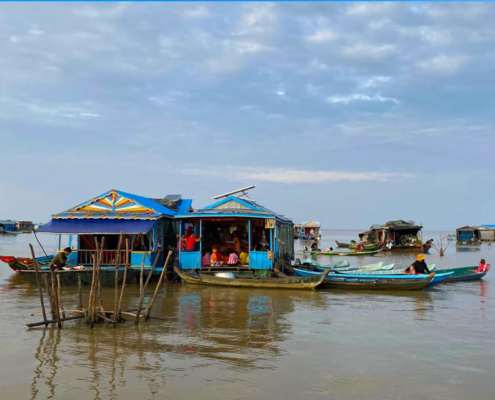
(42, 248)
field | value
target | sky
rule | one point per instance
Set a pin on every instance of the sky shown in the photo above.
(351, 114)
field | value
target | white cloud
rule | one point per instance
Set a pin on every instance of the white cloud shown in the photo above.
(322, 36)
(196, 12)
(373, 81)
(93, 12)
(368, 51)
(86, 114)
(347, 99)
(444, 65)
(259, 20)
(35, 31)
(370, 8)
(287, 175)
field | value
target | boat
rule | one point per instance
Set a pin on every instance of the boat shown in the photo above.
(290, 282)
(371, 282)
(463, 274)
(70, 277)
(391, 271)
(399, 235)
(354, 246)
(20, 263)
(345, 253)
(440, 276)
(451, 238)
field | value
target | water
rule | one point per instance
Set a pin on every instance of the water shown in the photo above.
(259, 344)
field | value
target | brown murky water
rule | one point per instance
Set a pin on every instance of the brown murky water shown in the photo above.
(256, 344)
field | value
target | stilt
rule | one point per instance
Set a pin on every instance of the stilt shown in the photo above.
(38, 283)
(152, 301)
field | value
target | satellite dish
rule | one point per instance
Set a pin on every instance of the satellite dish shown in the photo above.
(242, 191)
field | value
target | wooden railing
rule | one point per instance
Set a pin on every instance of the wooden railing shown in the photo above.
(85, 257)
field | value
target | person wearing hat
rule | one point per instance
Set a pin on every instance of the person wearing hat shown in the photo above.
(60, 259)
(419, 266)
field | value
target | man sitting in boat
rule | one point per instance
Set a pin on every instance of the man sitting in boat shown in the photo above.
(419, 266)
(59, 261)
(314, 246)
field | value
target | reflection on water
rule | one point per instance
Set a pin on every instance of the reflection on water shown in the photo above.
(266, 344)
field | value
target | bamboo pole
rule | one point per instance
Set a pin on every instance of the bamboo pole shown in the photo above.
(116, 292)
(97, 280)
(59, 295)
(124, 282)
(52, 321)
(141, 291)
(148, 278)
(52, 308)
(38, 283)
(55, 299)
(79, 292)
(152, 301)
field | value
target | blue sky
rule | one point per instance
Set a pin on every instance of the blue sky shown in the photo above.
(347, 113)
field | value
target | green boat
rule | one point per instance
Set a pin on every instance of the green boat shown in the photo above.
(345, 253)
(463, 274)
(354, 246)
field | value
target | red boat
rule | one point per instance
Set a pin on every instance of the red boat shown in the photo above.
(21, 263)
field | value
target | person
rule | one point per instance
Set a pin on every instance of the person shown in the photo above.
(419, 266)
(59, 261)
(329, 250)
(390, 244)
(215, 259)
(233, 258)
(360, 246)
(189, 230)
(237, 243)
(243, 256)
(181, 243)
(191, 242)
(482, 267)
(314, 245)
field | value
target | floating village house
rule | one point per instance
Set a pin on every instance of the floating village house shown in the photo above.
(404, 235)
(8, 226)
(148, 225)
(468, 235)
(264, 235)
(310, 230)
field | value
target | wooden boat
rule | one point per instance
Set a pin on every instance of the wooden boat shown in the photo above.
(291, 282)
(354, 246)
(20, 263)
(345, 253)
(363, 282)
(391, 271)
(70, 277)
(463, 274)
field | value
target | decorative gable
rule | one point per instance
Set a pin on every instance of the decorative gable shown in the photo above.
(231, 205)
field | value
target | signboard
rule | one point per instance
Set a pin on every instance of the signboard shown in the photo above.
(270, 223)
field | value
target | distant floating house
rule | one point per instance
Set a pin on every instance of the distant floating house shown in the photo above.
(8, 225)
(310, 230)
(405, 235)
(147, 224)
(25, 226)
(264, 235)
(474, 235)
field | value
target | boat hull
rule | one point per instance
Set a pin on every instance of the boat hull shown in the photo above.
(463, 274)
(310, 282)
(345, 253)
(70, 277)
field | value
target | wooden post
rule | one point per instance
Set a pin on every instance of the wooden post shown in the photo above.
(79, 292)
(152, 301)
(141, 291)
(50, 300)
(59, 295)
(97, 280)
(116, 292)
(124, 281)
(141, 299)
(38, 283)
(55, 299)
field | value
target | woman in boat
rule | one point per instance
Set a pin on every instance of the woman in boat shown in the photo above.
(360, 246)
(419, 266)
(482, 267)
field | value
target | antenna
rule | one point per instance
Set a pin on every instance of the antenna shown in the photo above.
(242, 191)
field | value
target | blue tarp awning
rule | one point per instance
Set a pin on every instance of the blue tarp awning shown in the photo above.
(96, 226)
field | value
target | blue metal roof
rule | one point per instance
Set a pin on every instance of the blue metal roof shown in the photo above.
(183, 206)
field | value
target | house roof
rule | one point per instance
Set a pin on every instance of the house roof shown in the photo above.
(311, 224)
(116, 204)
(235, 206)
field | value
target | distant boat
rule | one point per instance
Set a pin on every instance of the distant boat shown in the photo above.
(353, 245)
(345, 253)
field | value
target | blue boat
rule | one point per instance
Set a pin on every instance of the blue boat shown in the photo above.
(439, 277)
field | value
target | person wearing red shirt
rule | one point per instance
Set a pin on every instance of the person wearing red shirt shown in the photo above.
(191, 242)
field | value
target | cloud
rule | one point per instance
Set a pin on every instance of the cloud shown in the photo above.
(196, 12)
(347, 99)
(373, 81)
(444, 65)
(287, 175)
(35, 31)
(259, 20)
(322, 36)
(368, 51)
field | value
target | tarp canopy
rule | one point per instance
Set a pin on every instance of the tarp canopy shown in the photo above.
(96, 226)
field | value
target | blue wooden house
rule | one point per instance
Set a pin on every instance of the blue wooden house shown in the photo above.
(148, 226)
(8, 226)
(264, 235)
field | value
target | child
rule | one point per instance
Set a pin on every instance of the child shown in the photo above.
(233, 258)
(482, 267)
(215, 259)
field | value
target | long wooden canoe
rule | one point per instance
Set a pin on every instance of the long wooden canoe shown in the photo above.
(373, 282)
(463, 274)
(342, 245)
(354, 246)
(20, 263)
(309, 282)
(345, 253)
